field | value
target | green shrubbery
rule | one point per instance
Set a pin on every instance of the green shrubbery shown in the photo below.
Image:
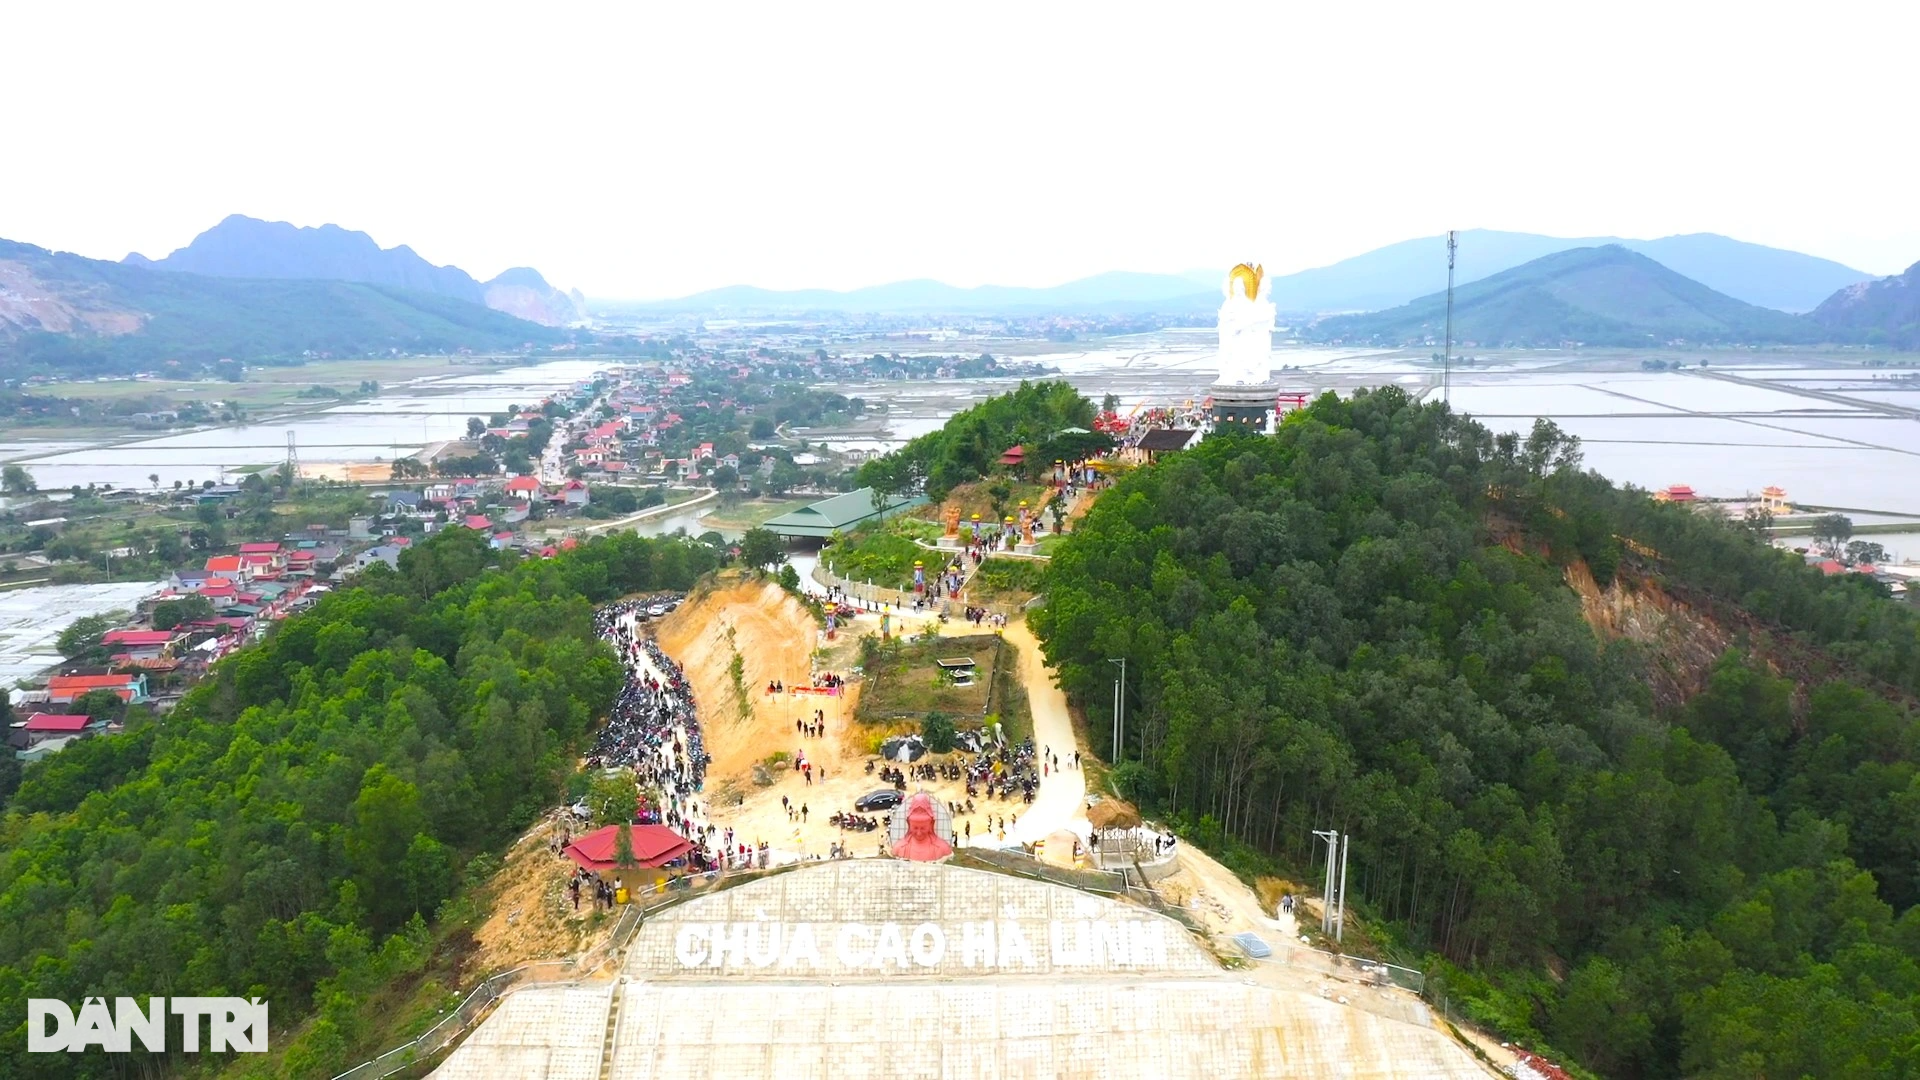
(969, 445)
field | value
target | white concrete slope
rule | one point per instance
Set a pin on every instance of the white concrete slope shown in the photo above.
(878, 969)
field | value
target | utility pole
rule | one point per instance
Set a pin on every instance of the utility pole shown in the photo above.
(1332, 837)
(1119, 710)
(1340, 920)
(1446, 357)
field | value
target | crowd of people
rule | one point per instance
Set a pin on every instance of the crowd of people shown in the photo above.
(652, 727)
(980, 616)
(1005, 772)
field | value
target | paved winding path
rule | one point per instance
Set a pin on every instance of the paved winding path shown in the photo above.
(1062, 801)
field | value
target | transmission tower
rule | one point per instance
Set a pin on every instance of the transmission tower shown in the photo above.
(1446, 356)
(293, 457)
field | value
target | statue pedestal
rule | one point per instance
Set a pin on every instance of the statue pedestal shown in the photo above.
(951, 543)
(1026, 549)
(1244, 407)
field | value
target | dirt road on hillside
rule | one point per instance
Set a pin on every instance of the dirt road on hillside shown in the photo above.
(1062, 800)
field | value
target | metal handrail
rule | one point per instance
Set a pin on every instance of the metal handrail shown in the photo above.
(499, 985)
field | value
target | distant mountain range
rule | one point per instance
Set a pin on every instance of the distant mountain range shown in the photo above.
(1606, 295)
(1882, 312)
(1115, 290)
(244, 247)
(1383, 278)
(64, 314)
(1399, 273)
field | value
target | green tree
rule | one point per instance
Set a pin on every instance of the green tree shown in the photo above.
(613, 798)
(426, 874)
(762, 548)
(383, 821)
(80, 641)
(9, 763)
(623, 847)
(1831, 532)
(100, 705)
(168, 614)
(16, 480)
(937, 731)
(1864, 551)
(762, 428)
(999, 494)
(785, 477)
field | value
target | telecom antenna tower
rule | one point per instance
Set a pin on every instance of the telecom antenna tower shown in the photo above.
(1446, 356)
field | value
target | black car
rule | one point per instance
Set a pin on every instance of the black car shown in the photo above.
(884, 799)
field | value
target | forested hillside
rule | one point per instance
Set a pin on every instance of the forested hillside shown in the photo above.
(287, 829)
(968, 445)
(1363, 624)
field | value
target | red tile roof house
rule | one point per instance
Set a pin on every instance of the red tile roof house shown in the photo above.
(523, 488)
(265, 559)
(131, 686)
(138, 644)
(42, 726)
(231, 567)
(477, 522)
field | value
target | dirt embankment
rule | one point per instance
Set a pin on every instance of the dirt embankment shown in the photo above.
(529, 916)
(1682, 644)
(773, 637)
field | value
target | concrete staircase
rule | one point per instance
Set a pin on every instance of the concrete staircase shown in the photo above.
(615, 997)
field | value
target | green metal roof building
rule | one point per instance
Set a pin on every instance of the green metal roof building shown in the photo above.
(840, 513)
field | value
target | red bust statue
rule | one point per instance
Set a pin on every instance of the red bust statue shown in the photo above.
(922, 843)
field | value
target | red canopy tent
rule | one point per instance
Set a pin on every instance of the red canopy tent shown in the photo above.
(653, 846)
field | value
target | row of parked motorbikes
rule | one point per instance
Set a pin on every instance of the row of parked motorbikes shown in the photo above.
(891, 775)
(856, 822)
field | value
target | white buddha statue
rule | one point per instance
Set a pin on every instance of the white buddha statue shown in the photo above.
(1246, 328)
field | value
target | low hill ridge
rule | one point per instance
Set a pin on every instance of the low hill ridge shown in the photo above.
(246, 247)
(1885, 311)
(69, 315)
(1606, 296)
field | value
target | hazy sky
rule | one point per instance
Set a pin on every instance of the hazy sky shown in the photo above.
(635, 152)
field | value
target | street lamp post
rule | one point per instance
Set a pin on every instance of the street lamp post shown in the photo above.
(1119, 709)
